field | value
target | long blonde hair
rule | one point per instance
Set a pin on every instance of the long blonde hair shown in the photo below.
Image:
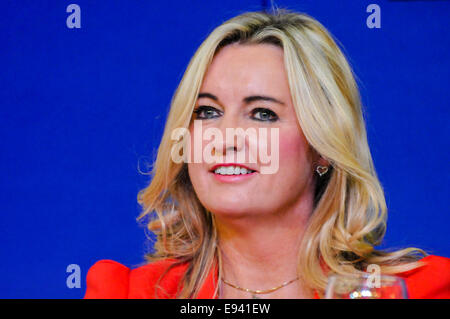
(349, 216)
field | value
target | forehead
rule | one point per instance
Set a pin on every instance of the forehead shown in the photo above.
(247, 69)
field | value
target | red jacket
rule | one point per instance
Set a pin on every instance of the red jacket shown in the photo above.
(108, 279)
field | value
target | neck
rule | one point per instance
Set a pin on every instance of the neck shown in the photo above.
(261, 252)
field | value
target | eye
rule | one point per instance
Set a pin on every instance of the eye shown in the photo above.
(264, 115)
(205, 112)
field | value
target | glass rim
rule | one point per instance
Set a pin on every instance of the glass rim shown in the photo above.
(367, 275)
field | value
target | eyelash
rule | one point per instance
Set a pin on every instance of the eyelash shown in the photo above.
(204, 108)
(264, 110)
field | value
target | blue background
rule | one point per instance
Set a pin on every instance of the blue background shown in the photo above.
(82, 109)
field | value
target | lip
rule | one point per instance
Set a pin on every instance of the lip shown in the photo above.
(232, 178)
(232, 164)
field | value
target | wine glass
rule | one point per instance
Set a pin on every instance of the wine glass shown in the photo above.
(366, 286)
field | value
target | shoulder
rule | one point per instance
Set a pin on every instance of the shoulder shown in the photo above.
(165, 274)
(108, 279)
(430, 281)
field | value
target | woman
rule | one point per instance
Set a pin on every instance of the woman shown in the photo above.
(226, 229)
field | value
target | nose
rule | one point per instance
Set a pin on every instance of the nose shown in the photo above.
(232, 141)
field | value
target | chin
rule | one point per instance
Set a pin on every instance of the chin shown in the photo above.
(227, 208)
(234, 209)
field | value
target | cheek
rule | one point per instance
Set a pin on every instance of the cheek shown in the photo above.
(294, 152)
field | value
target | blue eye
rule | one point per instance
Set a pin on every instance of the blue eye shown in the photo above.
(264, 115)
(205, 112)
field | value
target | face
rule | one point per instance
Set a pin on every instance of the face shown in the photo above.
(246, 87)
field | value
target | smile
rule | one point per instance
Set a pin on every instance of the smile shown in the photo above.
(232, 172)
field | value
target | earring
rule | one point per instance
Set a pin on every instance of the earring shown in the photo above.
(321, 170)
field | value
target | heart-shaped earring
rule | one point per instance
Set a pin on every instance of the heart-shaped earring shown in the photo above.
(321, 170)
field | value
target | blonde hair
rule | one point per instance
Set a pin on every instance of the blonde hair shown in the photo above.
(349, 216)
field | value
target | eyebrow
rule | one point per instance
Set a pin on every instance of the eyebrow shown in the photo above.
(247, 100)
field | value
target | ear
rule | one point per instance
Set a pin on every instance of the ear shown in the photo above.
(322, 162)
(318, 160)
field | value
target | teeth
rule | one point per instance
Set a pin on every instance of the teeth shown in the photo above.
(231, 170)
